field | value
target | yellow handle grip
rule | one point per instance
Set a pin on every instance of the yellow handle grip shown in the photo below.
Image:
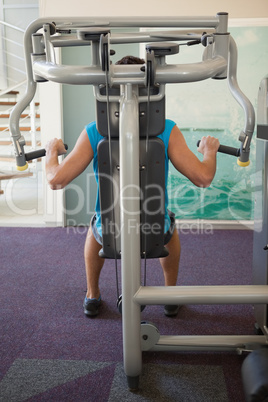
(21, 168)
(242, 164)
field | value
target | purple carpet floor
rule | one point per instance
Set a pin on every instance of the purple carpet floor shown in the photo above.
(50, 351)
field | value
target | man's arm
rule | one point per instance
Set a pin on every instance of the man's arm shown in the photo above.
(201, 173)
(60, 174)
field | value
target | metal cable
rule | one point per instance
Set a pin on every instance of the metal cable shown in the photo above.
(111, 174)
(147, 166)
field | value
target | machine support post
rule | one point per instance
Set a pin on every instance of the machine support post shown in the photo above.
(130, 232)
(260, 239)
(244, 102)
(223, 23)
(18, 139)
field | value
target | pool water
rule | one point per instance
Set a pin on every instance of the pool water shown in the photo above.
(231, 194)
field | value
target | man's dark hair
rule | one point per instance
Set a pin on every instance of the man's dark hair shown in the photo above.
(130, 60)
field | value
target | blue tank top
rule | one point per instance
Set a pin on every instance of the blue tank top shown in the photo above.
(95, 137)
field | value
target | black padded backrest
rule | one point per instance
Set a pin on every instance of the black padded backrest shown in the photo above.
(156, 114)
(152, 198)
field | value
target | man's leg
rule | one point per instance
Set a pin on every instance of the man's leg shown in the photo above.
(93, 265)
(170, 266)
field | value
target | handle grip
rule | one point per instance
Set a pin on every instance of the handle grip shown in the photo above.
(39, 153)
(226, 149)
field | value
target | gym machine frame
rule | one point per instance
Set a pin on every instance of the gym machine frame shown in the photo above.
(219, 62)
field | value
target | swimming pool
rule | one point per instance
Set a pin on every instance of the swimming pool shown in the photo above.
(231, 194)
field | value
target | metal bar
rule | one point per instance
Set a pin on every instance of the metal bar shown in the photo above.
(243, 101)
(244, 294)
(260, 239)
(11, 79)
(137, 37)
(17, 138)
(180, 34)
(33, 123)
(13, 55)
(49, 49)
(14, 69)
(13, 42)
(74, 75)
(5, 91)
(69, 40)
(12, 26)
(146, 22)
(18, 6)
(209, 342)
(84, 75)
(130, 236)
(3, 70)
(190, 72)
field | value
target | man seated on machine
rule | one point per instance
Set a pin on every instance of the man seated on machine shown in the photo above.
(200, 173)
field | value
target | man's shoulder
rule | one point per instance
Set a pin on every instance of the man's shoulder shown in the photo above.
(91, 126)
(93, 135)
(169, 124)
